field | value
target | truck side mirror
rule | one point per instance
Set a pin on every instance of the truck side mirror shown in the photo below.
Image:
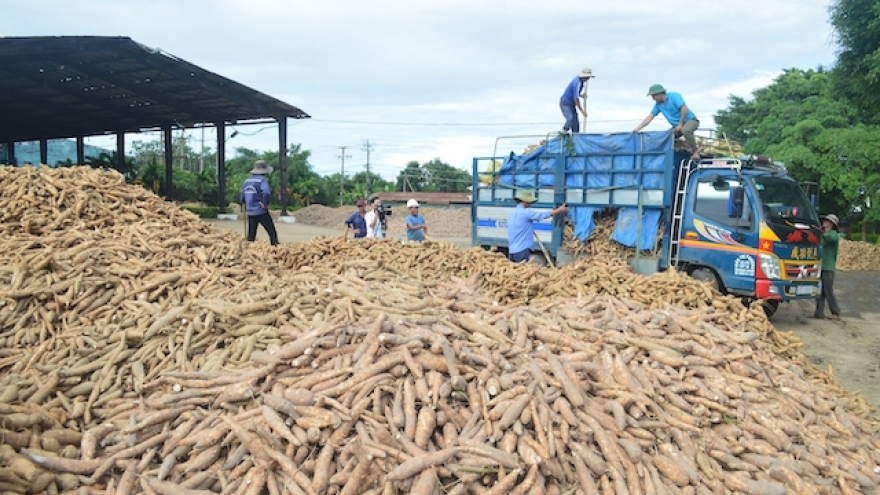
(735, 202)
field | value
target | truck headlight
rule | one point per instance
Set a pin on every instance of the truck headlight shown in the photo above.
(771, 266)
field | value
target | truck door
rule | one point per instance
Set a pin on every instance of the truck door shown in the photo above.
(720, 234)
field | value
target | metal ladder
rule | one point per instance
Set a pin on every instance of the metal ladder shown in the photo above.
(684, 175)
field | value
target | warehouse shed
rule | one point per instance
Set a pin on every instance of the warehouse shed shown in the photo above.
(78, 86)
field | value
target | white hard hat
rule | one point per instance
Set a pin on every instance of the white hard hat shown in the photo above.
(412, 204)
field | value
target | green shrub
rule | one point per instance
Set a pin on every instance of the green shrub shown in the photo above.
(203, 211)
(872, 238)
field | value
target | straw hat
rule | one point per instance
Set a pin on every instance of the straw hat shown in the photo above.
(586, 73)
(525, 197)
(260, 168)
(831, 217)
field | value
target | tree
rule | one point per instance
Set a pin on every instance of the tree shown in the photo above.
(308, 189)
(109, 160)
(433, 176)
(857, 25)
(376, 182)
(800, 121)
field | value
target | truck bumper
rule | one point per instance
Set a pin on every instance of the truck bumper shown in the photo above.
(785, 291)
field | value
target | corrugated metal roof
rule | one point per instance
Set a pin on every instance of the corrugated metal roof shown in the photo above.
(55, 87)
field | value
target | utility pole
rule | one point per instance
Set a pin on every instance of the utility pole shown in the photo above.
(368, 149)
(342, 176)
(202, 154)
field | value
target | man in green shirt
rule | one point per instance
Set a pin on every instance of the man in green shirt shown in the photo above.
(830, 242)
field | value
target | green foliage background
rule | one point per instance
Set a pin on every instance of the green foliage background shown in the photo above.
(824, 124)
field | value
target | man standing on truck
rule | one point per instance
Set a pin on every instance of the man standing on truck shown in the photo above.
(830, 243)
(676, 111)
(570, 102)
(521, 229)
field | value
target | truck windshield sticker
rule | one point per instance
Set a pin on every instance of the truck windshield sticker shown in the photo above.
(715, 233)
(744, 266)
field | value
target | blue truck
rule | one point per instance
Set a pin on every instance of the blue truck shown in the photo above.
(740, 223)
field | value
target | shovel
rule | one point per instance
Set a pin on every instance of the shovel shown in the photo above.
(544, 250)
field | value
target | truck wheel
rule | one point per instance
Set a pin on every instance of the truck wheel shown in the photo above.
(770, 307)
(702, 273)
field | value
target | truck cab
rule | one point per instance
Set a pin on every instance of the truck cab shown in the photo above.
(745, 226)
(740, 223)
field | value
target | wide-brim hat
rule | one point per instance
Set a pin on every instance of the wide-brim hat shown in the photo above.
(831, 217)
(656, 89)
(260, 168)
(586, 72)
(525, 197)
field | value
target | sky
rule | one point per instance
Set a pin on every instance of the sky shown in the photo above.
(453, 79)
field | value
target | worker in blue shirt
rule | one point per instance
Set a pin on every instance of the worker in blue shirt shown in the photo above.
(570, 102)
(676, 111)
(416, 228)
(356, 222)
(520, 228)
(255, 196)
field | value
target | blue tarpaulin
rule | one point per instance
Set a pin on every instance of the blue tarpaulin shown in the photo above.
(602, 160)
(626, 229)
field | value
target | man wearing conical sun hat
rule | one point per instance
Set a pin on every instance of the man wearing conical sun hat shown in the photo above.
(520, 226)
(256, 195)
(570, 102)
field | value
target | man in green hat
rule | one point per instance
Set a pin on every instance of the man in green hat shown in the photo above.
(676, 111)
(830, 244)
(520, 228)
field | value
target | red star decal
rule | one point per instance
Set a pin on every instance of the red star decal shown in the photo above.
(766, 245)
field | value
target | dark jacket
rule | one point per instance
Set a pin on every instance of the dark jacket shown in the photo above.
(254, 191)
(357, 222)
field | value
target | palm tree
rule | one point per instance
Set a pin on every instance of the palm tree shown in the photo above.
(308, 189)
(109, 160)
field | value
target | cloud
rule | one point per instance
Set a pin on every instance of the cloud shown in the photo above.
(444, 78)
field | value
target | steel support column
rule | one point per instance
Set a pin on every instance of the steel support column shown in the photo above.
(221, 165)
(120, 151)
(282, 161)
(169, 157)
(10, 153)
(44, 151)
(80, 150)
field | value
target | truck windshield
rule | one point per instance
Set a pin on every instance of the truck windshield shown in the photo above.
(782, 200)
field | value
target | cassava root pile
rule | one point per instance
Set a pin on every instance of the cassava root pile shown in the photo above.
(856, 255)
(158, 355)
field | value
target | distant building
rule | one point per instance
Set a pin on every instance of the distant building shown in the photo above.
(59, 151)
(426, 198)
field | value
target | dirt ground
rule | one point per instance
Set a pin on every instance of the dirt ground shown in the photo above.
(850, 347)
